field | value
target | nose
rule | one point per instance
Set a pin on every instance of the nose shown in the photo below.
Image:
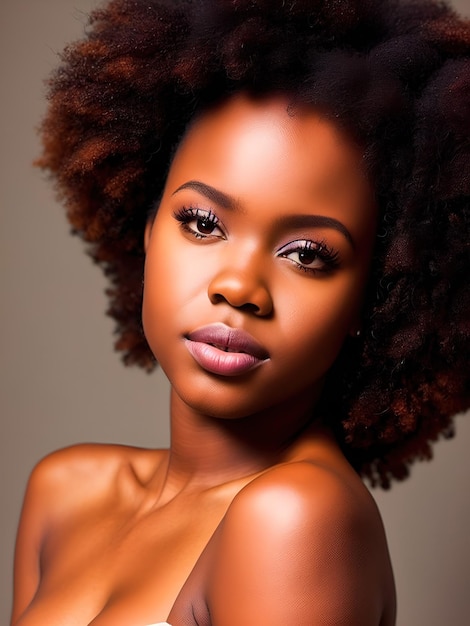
(242, 288)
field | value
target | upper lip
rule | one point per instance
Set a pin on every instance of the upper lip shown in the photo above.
(227, 338)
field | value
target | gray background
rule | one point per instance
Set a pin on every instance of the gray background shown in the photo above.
(61, 383)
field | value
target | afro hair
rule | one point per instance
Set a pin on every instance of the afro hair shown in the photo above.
(393, 74)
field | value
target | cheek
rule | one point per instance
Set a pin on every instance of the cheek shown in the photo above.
(173, 287)
(151, 311)
(159, 290)
(316, 322)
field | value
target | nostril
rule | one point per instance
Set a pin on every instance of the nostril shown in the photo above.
(249, 307)
(216, 298)
(242, 291)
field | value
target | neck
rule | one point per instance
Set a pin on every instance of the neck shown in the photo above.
(208, 451)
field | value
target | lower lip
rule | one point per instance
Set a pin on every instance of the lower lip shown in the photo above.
(219, 362)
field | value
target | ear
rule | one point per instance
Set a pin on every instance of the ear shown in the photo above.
(355, 333)
(147, 234)
(356, 327)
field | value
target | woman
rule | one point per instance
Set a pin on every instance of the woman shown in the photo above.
(297, 268)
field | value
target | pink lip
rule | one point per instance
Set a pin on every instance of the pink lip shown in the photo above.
(226, 351)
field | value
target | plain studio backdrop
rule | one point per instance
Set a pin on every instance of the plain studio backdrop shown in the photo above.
(61, 382)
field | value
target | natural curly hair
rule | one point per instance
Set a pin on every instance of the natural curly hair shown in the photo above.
(394, 74)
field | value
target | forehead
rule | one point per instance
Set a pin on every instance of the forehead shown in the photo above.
(271, 139)
(273, 161)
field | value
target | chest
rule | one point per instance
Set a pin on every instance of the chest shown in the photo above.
(115, 567)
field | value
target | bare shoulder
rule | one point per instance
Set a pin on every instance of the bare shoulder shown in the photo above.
(303, 491)
(81, 459)
(310, 541)
(65, 486)
(67, 478)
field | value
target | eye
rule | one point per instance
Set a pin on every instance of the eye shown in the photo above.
(310, 256)
(200, 223)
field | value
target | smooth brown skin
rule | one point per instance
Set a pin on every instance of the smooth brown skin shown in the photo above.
(251, 515)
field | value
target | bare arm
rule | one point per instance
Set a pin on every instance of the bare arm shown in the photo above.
(290, 555)
(53, 492)
(28, 540)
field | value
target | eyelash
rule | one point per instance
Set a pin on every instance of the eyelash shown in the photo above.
(328, 257)
(186, 215)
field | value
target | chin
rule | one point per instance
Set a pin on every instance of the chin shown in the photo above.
(225, 408)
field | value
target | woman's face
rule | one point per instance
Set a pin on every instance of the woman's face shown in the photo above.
(257, 258)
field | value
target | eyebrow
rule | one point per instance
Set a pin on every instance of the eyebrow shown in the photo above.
(316, 221)
(215, 195)
(293, 221)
